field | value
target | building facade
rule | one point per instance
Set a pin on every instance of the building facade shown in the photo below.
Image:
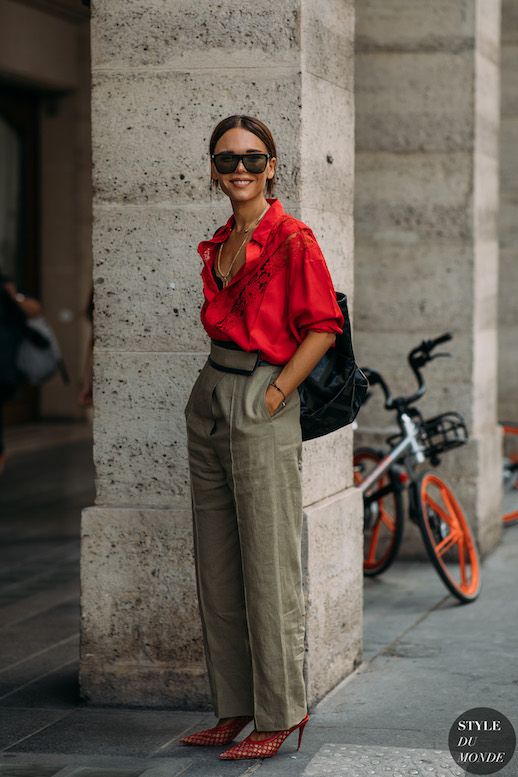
(395, 123)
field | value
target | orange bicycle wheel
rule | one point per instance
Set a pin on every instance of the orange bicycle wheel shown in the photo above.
(447, 536)
(510, 519)
(383, 518)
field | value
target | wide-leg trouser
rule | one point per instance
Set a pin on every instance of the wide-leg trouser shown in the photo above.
(245, 473)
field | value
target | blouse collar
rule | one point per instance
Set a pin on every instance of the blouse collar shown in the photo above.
(261, 232)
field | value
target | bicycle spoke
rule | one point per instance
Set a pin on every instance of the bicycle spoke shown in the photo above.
(451, 539)
(371, 558)
(453, 513)
(387, 519)
(438, 510)
(462, 564)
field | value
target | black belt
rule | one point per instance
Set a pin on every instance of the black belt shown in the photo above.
(231, 358)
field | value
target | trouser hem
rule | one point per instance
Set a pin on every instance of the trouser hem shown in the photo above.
(233, 714)
(279, 724)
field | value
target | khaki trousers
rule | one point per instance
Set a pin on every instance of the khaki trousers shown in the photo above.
(245, 473)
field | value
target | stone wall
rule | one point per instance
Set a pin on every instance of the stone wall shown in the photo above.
(163, 75)
(508, 286)
(426, 197)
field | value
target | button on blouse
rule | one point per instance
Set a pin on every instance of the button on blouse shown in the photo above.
(282, 290)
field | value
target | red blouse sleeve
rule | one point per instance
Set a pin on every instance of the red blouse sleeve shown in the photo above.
(311, 295)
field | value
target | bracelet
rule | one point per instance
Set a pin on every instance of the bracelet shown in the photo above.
(283, 403)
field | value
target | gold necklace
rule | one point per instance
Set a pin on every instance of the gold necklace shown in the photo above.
(224, 277)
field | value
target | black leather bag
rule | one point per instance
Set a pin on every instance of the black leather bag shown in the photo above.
(335, 389)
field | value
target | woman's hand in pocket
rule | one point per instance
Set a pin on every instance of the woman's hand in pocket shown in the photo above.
(272, 399)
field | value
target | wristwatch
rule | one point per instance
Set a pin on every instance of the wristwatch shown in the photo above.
(19, 297)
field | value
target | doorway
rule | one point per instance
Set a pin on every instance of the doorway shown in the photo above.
(19, 214)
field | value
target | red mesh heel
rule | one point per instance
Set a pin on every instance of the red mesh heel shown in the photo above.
(218, 735)
(262, 748)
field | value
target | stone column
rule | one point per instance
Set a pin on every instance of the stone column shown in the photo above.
(163, 75)
(427, 118)
(508, 286)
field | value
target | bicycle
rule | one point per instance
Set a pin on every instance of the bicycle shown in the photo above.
(446, 533)
(510, 473)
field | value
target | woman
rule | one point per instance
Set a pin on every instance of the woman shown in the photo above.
(270, 310)
(15, 309)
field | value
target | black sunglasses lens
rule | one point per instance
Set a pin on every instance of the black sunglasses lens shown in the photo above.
(225, 163)
(255, 163)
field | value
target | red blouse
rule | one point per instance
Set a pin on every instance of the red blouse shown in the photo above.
(283, 289)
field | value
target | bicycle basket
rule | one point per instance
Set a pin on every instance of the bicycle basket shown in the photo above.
(443, 433)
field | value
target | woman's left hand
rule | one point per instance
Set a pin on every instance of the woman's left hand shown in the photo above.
(272, 399)
(307, 355)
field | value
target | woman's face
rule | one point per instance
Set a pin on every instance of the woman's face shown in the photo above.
(241, 141)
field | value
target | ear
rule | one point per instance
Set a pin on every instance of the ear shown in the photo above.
(213, 174)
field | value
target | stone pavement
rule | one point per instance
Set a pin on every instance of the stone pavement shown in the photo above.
(426, 660)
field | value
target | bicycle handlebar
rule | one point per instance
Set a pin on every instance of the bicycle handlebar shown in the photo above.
(417, 358)
(442, 339)
(429, 344)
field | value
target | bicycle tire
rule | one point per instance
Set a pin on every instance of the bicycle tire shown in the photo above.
(510, 519)
(370, 568)
(429, 514)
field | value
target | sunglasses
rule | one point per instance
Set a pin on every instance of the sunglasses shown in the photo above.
(226, 162)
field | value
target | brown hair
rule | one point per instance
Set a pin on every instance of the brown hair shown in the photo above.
(252, 125)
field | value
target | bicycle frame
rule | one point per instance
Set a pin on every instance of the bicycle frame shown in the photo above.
(417, 358)
(409, 442)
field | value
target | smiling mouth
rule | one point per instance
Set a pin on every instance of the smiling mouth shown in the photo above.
(241, 181)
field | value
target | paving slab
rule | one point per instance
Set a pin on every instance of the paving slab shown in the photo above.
(107, 731)
(31, 672)
(93, 771)
(396, 600)
(16, 724)
(350, 761)
(55, 688)
(91, 766)
(27, 770)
